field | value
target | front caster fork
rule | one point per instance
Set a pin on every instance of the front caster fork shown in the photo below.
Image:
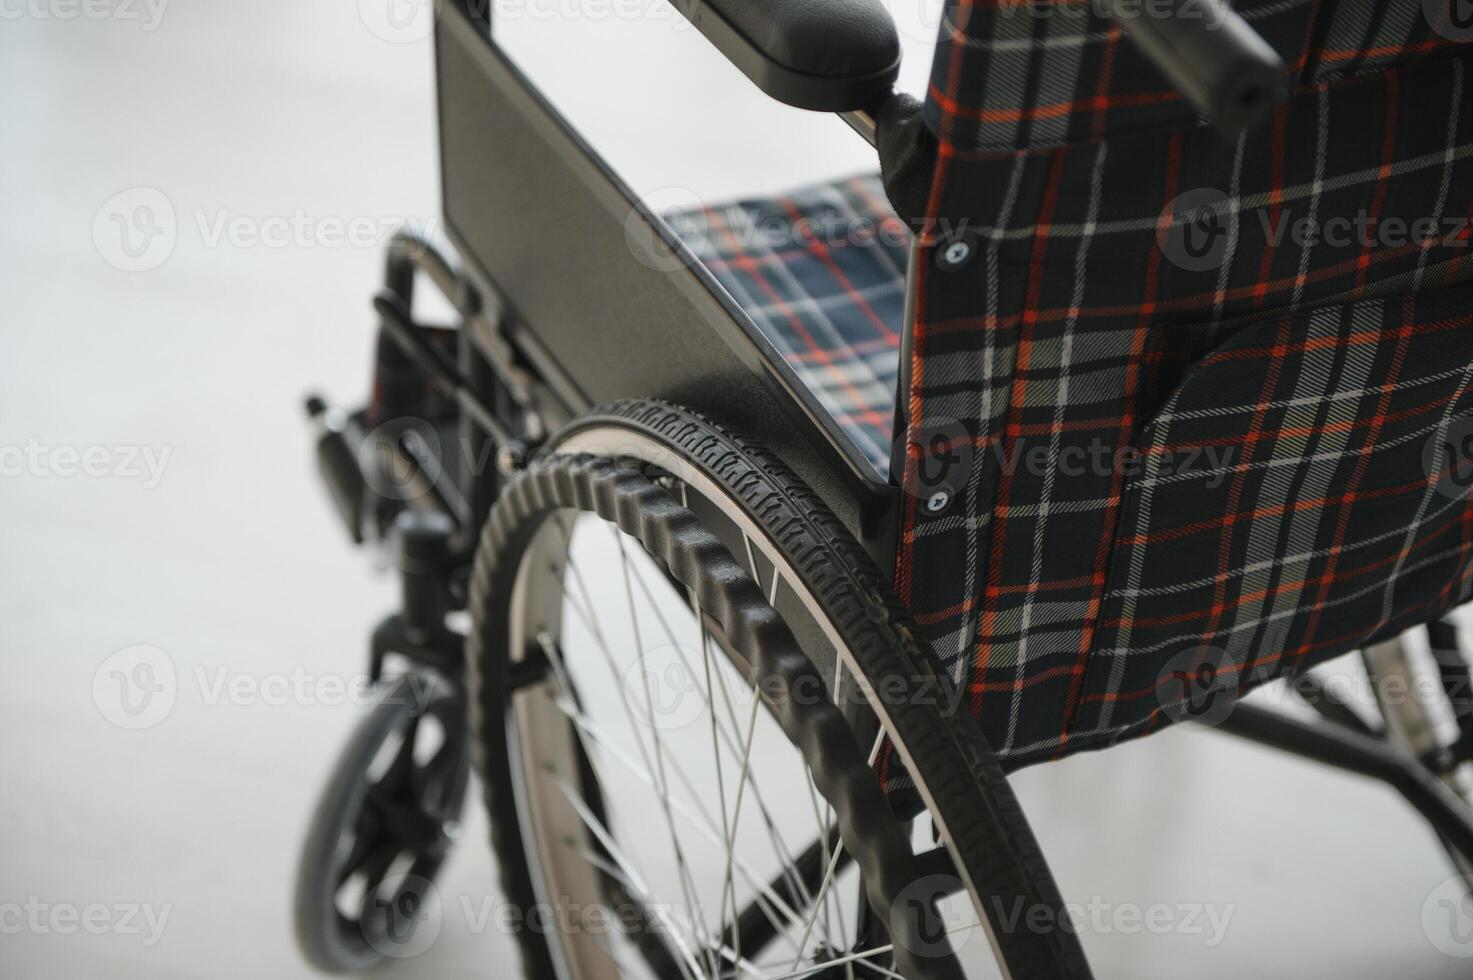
(380, 833)
(431, 578)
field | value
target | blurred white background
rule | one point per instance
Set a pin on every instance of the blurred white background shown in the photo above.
(277, 144)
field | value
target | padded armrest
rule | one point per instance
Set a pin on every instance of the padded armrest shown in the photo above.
(827, 55)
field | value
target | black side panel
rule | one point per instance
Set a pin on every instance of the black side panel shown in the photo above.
(537, 216)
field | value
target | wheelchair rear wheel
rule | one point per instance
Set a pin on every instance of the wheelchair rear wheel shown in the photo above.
(683, 673)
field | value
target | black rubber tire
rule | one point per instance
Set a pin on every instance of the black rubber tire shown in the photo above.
(326, 940)
(975, 802)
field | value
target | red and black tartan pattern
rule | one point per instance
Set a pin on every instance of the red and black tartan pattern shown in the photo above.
(1014, 74)
(1128, 450)
(821, 271)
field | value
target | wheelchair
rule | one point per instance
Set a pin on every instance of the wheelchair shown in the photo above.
(723, 557)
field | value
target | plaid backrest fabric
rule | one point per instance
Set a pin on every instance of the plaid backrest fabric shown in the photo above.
(1184, 407)
(1037, 73)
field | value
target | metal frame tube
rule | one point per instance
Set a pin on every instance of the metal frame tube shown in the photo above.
(1366, 756)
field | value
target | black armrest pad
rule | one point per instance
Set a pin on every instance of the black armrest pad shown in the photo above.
(833, 55)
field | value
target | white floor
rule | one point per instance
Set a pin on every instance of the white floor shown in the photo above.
(259, 135)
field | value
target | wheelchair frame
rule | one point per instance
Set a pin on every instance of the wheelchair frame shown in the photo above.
(640, 288)
(722, 366)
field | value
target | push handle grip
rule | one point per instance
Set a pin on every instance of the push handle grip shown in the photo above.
(1220, 63)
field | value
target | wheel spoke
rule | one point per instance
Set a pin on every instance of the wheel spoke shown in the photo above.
(728, 894)
(800, 900)
(823, 889)
(606, 839)
(703, 826)
(780, 850)
(752, 927)
(376, 864)
(363, 844)
(434, 777)
(687, 882)
(400, 772)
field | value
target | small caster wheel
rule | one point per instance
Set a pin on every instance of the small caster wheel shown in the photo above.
(383, 826)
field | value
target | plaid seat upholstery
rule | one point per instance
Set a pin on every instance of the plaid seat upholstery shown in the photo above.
(1196, 405)
(821, 272)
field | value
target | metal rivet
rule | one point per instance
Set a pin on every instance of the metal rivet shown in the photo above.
(956, 254)
(938, 501)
